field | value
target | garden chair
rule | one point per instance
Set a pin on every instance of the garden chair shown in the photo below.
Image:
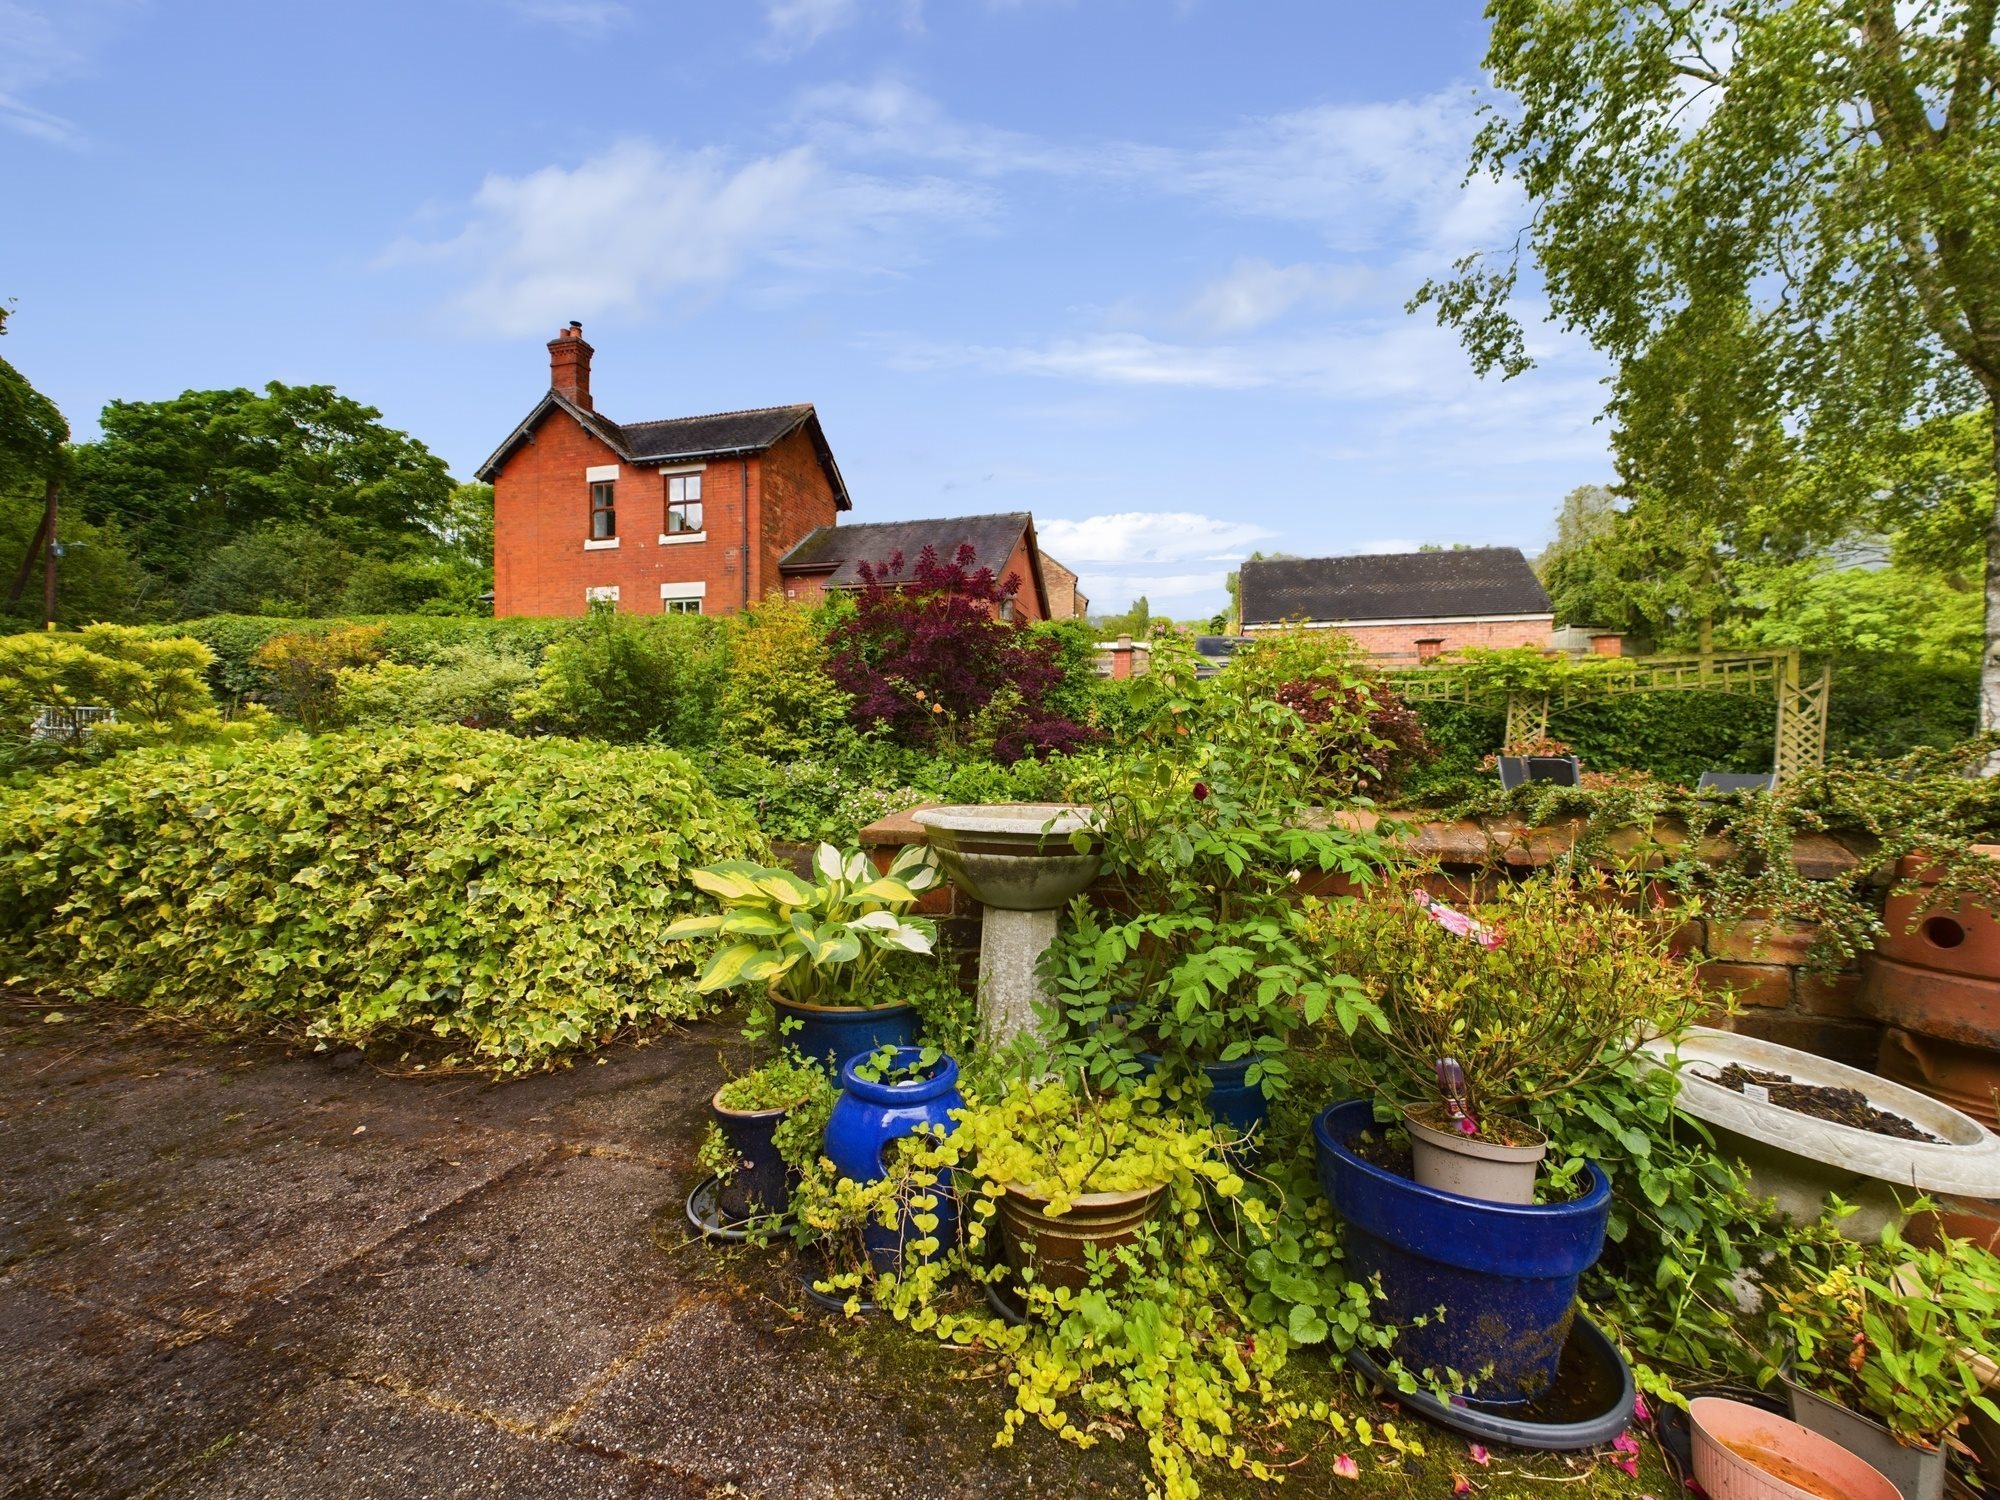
(1737, 781)
(1518, 770)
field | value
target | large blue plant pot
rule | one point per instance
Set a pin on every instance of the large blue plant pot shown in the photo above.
(833, 1038)
(866, 1118)
(1239, 1106)
(1504, 1273)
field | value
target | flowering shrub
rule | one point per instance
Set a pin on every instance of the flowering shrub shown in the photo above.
(929, 661)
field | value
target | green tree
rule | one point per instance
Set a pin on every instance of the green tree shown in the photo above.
(1136, 621)
(1804, 186)
(465, 529)
(210, 469)
(32, 430)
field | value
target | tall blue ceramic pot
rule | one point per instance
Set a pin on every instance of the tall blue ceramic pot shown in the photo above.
(867, 1117)
(1240, 1106)
(1504, 1273)
(761, 1185)
(833, 1037)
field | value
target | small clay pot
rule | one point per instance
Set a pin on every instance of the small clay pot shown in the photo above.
(1055, 1245)
(1449, 1162)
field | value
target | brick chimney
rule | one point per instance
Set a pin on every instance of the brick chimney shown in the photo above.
(569, 366)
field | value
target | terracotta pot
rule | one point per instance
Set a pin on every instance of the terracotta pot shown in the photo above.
(1742, 1453)
(1054, 1245)
(1966, 1078)
(1449, 1162)
(1937, 969)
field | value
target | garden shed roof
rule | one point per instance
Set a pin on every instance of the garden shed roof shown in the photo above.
(1469, 583)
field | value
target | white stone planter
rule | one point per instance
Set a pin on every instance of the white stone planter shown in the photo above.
(1801, 1161)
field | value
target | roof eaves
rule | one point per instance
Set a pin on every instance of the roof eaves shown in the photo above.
(601, 428)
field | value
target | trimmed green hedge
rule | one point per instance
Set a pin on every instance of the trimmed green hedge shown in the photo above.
(414, 640)
(504, 895)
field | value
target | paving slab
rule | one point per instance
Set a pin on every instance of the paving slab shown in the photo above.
(512, 1303)
(102, 1404)
(343, 1441)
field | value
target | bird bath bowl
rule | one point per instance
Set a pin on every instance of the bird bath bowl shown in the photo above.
(1019, 861)
(1801, 1160)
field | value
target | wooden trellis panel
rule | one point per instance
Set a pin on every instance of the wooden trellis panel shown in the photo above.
(1802, 721)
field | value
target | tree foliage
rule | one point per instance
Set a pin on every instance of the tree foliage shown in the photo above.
(1777, 216)
(929, 660)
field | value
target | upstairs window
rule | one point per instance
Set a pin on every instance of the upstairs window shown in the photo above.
(603, 510)
(683, 503)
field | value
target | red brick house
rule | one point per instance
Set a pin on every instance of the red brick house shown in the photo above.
(687, 515)
(831, 557)
(1413, 605)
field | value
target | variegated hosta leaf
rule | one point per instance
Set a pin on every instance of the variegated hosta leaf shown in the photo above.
(888, 890)
(754, 923)
(769, 965)
(725, 883)
(916, 866)
(858, 868)
(727, 967)
(785, 887)
(705, 925)
(837, 946)
(908, 938)
(880, 921)
(827, 862)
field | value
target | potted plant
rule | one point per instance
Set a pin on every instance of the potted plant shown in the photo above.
(1891, 1353)
(1549, 984)
(1488, 1011)
(888, 1097)
(1071, 1175)
(822, 950)
(1210, 832)
(741, 1151)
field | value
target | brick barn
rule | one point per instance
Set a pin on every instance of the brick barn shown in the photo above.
(1412, 605)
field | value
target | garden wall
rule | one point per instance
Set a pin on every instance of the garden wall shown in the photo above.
(1763, 963)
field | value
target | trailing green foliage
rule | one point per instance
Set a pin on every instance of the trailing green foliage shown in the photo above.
(507, 898)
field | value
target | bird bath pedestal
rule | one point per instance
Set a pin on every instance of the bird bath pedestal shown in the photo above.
(1017, 860)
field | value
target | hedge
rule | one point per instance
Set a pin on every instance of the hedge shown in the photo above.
(504, 895)
(414, 640)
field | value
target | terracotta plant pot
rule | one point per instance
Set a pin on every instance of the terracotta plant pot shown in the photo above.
(1449, 1162)
(1966, 1078)
(1937, 969)
(1055, 1245)
(1742, 1453)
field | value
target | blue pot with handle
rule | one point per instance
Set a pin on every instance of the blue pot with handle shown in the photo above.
(833, 1035)
(1504, 1273)
(869, 1116)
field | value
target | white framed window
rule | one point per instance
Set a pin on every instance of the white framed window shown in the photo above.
(682, 598)
(601, 596)
(603, 510)
(683, 505)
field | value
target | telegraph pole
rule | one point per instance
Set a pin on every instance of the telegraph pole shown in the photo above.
(51, 550)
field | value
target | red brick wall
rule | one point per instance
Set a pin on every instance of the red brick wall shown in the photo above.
(1401, 640)
(541, 519)
(1027, 604)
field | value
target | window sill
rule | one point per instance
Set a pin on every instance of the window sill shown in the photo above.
(680, 537)
(608, 544)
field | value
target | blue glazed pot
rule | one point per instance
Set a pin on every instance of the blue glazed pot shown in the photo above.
(1240, 1106)
(1504, 1273)
(762, 1183)
(832, 1038)
(867, 1117)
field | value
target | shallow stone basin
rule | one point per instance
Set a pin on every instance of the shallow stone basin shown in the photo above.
(1015, 856)
(1800, 1160)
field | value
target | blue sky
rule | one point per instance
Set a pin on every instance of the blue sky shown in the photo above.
(1135, 265)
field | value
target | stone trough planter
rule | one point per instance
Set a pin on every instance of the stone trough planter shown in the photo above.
(1801, 1161)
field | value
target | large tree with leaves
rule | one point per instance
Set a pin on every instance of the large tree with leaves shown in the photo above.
(1781, 218)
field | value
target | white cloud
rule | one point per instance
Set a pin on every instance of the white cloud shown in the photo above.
(43, 46)
(1254, 292)
(584, 18)
(1134, 537)
(798, 25)
(640, 225)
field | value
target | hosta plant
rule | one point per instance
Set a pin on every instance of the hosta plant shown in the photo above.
(826, 941)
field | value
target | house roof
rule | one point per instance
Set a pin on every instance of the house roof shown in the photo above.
(1469, 583)
(838, 551)
(722, 434)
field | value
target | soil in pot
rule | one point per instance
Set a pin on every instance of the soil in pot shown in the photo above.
(1841, 1106)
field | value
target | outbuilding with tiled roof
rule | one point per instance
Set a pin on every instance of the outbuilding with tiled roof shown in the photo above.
(1406, 604)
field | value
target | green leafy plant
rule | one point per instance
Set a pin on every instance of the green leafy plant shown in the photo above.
(779, 700)
(782, 1082)
(1208, 830)
(821, 941)
(471, 897)
(1544, 986)
(625, 679)
(154, 685)
(302, 670)
(1892, 1330)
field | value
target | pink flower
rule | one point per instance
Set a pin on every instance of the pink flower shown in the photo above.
(1628, 1447)
(1458, 922)
(1641, 1410)
(1346, 1467)
(1479, 1455)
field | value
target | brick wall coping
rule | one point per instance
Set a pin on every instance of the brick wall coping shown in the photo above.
(1466, 841)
